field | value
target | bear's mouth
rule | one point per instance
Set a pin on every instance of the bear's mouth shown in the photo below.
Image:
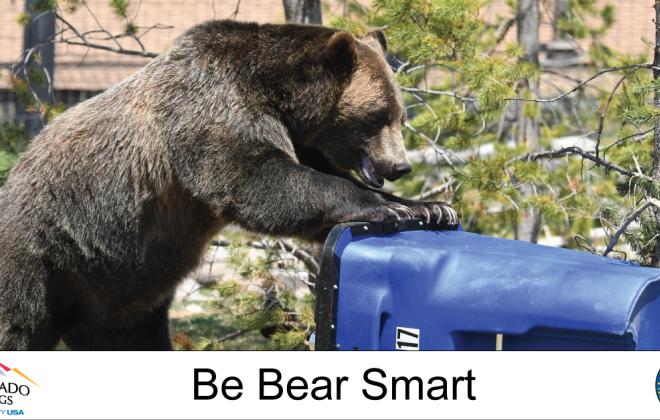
(368, 173)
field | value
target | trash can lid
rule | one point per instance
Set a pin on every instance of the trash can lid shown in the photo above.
(476, 281)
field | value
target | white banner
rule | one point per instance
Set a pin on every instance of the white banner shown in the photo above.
(309, 385)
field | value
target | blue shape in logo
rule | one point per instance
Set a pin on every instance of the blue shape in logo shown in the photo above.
(657, 385)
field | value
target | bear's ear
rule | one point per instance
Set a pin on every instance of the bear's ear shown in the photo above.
(341, 51)
(378, 36)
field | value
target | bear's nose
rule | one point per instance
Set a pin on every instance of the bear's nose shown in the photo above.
(400, 169)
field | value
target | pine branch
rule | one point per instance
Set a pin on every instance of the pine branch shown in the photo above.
(501, 32)
(305, 257)
(637, 136)
(615, 239)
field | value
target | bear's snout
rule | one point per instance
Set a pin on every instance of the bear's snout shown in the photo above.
(401, 169)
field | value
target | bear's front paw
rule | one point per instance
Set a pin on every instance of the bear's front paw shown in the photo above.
(385, 213)
(438, 213)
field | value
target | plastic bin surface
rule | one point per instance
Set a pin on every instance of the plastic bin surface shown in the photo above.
(428, 289)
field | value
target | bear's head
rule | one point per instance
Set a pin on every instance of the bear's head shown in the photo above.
(364, 132)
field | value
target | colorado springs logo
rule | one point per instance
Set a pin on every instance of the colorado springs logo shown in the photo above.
(14, 388)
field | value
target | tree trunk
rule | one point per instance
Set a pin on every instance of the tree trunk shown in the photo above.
(303, 11)
(529, 221)
(562, 49)
(656, 128)
(38, 31)
(561, 12)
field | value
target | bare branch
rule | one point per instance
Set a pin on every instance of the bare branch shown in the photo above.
(579, 85)
(232, 335)
(304, 256)
(106, 48)
(578, 151)
(146, 29)
(81, 38)
(601, 121)
(236, 10)
(437, 149)
(438, 92)
(569, 78)
(98, 23)
(432, 192)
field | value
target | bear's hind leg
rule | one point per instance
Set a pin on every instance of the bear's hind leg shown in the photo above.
(26, 320)
(149, 332)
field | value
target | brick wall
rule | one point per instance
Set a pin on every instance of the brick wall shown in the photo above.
(80, 69)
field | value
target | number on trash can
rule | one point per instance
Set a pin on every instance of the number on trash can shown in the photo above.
(407, 338)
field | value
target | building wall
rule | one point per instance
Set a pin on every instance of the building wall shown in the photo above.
(80, 68)
(633, 22)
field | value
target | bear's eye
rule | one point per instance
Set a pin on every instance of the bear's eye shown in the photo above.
(381, 117)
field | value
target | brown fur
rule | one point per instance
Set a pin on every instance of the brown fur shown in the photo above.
(115, 201)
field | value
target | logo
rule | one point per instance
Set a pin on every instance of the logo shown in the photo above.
(15, 388)
(4, 370)
(657, 385)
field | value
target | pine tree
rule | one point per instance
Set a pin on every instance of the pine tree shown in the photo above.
(484, 117)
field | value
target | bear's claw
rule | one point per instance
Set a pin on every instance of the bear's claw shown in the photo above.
(401, 212)
(438, 212)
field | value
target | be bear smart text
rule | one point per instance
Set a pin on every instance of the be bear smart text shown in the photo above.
(376, 385)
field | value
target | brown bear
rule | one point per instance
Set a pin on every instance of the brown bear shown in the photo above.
(116, 200)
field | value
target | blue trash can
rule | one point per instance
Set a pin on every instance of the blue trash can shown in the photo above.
(404, 286)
